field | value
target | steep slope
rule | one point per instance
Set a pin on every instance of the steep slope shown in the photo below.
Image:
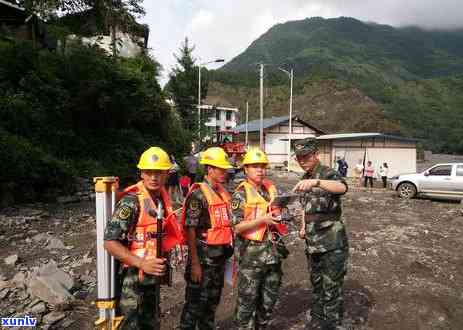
(329, 104)
(405, 80)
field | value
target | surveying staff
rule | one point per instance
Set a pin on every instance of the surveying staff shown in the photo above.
(130, 236)
(259, 244)
(206, 219)
(324, 233)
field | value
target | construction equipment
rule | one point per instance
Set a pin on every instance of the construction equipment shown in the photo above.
(105, 197)
(225, 141)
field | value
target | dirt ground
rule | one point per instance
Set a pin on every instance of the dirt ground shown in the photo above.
(405, 269)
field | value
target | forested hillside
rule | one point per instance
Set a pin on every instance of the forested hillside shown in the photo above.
(410, 80)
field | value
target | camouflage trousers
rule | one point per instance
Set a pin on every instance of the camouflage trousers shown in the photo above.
(258, 289)
(202, 299)
(137, 302)
(327, 276)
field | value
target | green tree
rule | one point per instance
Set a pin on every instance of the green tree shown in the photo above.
(183, 86)
(77, 114)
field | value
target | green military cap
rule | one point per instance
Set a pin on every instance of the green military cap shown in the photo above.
(305, 146)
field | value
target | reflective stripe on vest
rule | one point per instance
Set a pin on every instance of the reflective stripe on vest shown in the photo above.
(256, 206)
(218, 203)
(143, 240)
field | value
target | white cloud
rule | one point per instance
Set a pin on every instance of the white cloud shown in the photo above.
(226, 28)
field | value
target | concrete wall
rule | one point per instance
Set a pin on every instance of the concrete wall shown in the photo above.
(126, 47)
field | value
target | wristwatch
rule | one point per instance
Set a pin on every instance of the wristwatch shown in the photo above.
(318, 183)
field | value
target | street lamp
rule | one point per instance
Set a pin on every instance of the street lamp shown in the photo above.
(199, 92)
(291, 76)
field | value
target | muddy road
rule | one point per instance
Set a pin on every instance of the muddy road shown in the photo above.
(405, 270)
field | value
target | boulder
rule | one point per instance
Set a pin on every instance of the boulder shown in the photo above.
(53, 317)
(11, 260)
(55, 244)
(51, 284)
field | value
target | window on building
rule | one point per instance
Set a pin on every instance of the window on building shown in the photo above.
(442, 170)
(460, 170)
(229, 115)
(217, 114)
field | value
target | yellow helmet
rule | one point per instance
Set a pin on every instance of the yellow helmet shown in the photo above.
(215, 156)
(154, 159)
(255, 156)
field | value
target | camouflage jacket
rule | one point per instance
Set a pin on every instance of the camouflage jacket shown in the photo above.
(325, 230)
(270, 251)
(122, 224)
(197, 216)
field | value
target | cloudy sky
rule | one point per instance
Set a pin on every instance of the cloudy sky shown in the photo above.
(225, 28)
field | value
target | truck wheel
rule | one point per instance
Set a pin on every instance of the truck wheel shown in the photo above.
(406, 190)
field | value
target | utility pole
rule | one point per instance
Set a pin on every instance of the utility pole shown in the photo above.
(247, 113)
(261, 137)
(199, 104)
(291, 76)
(290, 118)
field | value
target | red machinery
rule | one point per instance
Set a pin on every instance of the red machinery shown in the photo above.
(225, 141)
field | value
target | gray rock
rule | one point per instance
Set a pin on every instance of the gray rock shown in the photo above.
(11, 260)
(5, 284)
(23, 295)
(53, 317)
(40, 237)
(55, 244)
(51, 270)
(67, 199)
(4, 293)
(67, 323)
(51, 284)
(39, 308)
(19, 280)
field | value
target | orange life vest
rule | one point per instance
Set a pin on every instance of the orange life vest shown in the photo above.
(218, 203)
(143, 238)
(256, 206)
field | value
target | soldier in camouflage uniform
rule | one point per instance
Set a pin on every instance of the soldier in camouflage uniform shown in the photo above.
(324, 233)
(204, 274)
(259, 245)
(138, 300)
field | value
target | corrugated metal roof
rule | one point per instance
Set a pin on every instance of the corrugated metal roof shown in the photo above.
(254, 125)
(347, 136)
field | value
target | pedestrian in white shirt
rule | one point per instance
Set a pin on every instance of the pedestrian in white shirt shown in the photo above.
(383, 172)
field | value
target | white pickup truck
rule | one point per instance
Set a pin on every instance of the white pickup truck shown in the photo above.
(440, 181)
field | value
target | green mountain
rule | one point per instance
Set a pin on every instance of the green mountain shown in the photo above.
(402, 80)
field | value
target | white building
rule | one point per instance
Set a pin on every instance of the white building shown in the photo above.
(219, 118)
(276, 130)
(398, 152)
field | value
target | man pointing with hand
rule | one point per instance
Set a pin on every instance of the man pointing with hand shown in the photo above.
(324, 232)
